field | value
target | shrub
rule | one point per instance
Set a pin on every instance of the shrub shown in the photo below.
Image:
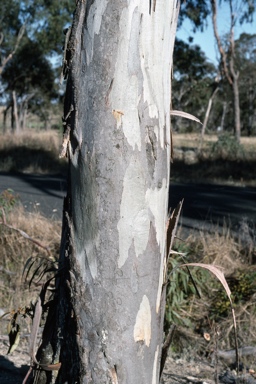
(227, 147)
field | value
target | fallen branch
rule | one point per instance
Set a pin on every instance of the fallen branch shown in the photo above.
(24, 234)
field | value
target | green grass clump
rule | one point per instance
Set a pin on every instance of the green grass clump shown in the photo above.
(8, 200)
(227, 148)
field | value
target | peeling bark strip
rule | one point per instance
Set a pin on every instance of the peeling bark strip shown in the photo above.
(142, 328)
(109, 325)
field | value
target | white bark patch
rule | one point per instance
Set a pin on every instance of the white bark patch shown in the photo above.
(118, 116)
(90, 250)
(104, 334)
(125, 94)
(142, 328)
(155, 378)
(144, 53)
(91, 253)
(134, 223)
(157, 201)
(94, 19)
(155, 43)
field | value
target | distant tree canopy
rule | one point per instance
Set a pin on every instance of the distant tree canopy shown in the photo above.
(27, 59)
(234, 104)
(192, 83)
(31, 38)
(44, 21)
(198, 11)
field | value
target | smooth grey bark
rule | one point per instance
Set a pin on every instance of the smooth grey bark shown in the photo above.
(108, 313)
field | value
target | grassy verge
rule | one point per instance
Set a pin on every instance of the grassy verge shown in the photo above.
(29, 245)
(195, 318)
(31, 152)
(204, 322)
(220, 160)
(199, 321)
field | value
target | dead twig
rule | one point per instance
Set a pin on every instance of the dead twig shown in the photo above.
(24, 234)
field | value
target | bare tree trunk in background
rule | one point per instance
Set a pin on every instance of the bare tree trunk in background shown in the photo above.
(6, 59)
(235, 77)
(15, 119)
(227, 64)
(4, 119)
(207, 114)
(24, 118)
(24, 110)
(224, 111)
(250, 99)
(236, 103)
(106, 324)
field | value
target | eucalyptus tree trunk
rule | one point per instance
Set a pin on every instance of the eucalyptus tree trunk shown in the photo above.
(15, 117)
(106, 325)
(236, 106)
(207, 114)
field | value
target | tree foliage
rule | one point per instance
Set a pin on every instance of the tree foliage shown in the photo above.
(199, 11)
(236, 84)
(28, 75)
(193, 81)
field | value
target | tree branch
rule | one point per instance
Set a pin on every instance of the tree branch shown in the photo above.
(9, 57)
(220, 47)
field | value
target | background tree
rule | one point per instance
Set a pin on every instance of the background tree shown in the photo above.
(193, 79)
(106, 321)
(29, 80)
(11, 31)
(227, 62)
(32, 31)
(240, 11)
(246, 62)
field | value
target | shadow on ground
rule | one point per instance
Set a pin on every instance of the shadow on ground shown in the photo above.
(210, 205)
(242, 171)
(9, 373)
(22, 158)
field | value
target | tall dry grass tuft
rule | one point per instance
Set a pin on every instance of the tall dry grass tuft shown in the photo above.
(220, 249)
(210, 315)
(17, 249)
(50, 140)
(31, 151)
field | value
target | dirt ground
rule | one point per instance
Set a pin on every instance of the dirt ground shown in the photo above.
(13, 369)
(179, 369)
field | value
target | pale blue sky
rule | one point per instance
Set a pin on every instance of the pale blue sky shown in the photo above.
(206, 39)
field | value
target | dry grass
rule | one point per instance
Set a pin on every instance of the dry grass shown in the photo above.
(31, 151)
(192, 140)
(221, 159)
(211, 314)
(219, 248)
(38, 152)
(16, 250)
(49, 140)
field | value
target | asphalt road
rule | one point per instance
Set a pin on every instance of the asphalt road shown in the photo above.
(43, 193)
(204, 204)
